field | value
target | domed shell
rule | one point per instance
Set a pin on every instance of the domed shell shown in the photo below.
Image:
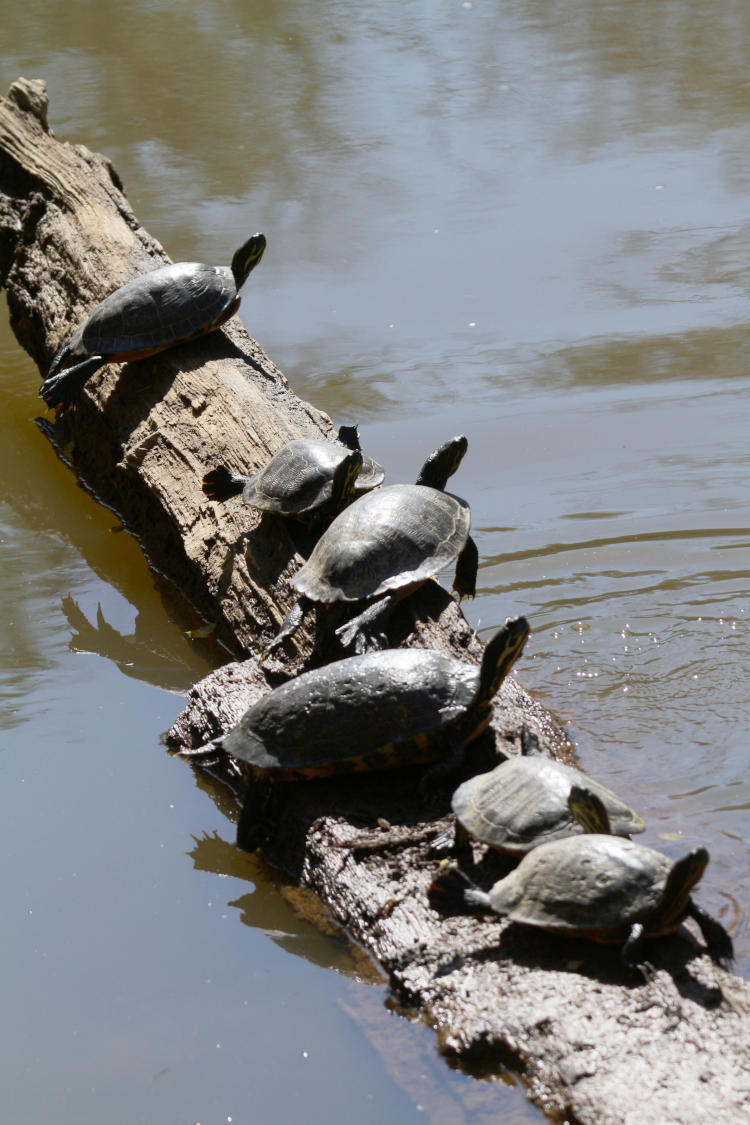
(158, 308)
(523, 803)
(385, 540)
(364, 712)
(299, 477)
(593, 884)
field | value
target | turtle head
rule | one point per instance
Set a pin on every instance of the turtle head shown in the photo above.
(443, 463)
(345, 478)
(349, 436)
(588, 810)
(247, 258)
(501, 653)
(675, 901)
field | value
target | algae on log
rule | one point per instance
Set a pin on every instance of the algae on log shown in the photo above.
(591, 1048)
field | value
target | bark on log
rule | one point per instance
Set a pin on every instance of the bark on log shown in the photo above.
(590, 1048)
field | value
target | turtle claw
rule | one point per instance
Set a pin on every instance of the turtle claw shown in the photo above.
(366, 631)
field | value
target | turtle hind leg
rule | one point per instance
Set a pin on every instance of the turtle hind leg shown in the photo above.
(220, 484)
(366, 631)
(63, 390)
(290, 624)
(718, 942)
(467, 565)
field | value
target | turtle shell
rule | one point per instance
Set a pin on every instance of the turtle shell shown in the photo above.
(523, 802)
(386, 540)
(299, 477)
(592, 885)
(157, 309)
(384, 709)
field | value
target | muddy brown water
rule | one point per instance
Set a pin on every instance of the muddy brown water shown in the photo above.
(528, 222)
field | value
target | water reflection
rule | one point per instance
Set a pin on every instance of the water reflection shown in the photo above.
(142, 654)
(292, 917)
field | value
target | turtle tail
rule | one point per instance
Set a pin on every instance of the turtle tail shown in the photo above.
(454, 893)
(220, 484)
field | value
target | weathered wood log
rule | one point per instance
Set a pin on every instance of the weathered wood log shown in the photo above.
(591, 1047)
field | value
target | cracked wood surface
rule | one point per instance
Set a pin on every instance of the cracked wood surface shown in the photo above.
(590, 1047)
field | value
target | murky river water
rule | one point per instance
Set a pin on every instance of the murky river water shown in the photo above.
(528, 222)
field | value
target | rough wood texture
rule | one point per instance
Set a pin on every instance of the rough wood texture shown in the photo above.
(145, 432)
(590, 1047)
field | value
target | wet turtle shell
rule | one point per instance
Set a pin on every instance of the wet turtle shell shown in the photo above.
(301, 477)
(524, 802)
(150, 313)
(603, 888)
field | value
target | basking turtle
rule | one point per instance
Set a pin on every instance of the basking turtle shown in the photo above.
(381, 710)
(305, 475)
(603, 888)
(524, 802)
(386, 544)
(154, 311)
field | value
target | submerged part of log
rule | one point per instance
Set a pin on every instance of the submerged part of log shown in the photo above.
(590, 1047)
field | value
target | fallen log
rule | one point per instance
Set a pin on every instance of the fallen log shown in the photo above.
(590, 1046)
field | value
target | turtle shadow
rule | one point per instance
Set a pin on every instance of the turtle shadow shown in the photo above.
(266, 550)
(139, 386)
(534, 948)
(142, 383)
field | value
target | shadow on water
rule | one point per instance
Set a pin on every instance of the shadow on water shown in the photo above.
(290, 916)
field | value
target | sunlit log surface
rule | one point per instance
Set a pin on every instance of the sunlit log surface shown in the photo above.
(589, 1046)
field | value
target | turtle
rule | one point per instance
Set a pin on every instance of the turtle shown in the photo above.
(383, 546)
(304, 476)
(524, 802)
(380, 710)
(150, 313)
(600, 887)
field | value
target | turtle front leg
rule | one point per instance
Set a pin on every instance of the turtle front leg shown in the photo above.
(62, 391)
(718, 942)
(366, 631)
(631, 953)
(467, 565)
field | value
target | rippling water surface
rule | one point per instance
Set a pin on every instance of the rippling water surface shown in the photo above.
(528, 222)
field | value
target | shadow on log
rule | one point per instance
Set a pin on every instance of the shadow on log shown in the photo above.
(590, 1047)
